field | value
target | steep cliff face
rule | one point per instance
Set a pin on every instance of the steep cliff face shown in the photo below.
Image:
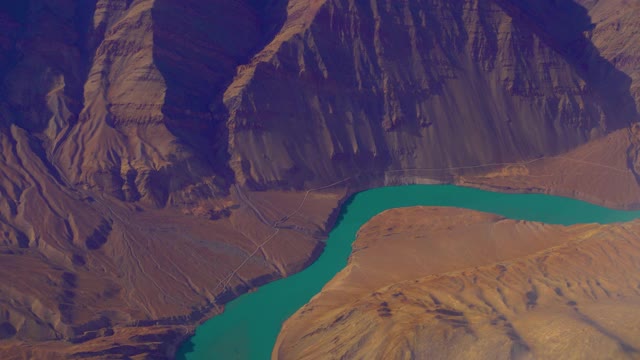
(145, 125)
(418, 84)
(122, 94)
(138, 98)
(615, 33)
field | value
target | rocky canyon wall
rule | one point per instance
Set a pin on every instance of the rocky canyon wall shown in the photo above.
(419, 84)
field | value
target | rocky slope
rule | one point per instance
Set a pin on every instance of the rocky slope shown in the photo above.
(134, 134)
(604, 171)
(81, 265)
(615, 34)
(419, 84)
(447, 283)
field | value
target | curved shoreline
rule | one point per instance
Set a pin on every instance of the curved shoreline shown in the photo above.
(346, 208)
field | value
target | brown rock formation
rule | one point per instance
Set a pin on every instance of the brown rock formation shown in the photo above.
(447, 283)
(615, 34)
(419, 84)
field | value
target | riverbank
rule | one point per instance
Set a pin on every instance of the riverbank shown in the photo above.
(571, 175)
(456, 283)
(249, 327)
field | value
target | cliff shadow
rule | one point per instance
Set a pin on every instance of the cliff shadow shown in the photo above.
(562, 24)
(13, 21)
(24, 45)
(198, 46)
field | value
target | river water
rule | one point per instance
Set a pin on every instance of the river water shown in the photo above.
(250, 324)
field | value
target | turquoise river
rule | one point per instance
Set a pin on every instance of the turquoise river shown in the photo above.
(250, 324)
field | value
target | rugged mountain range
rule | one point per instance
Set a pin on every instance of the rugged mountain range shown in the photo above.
(150, 147)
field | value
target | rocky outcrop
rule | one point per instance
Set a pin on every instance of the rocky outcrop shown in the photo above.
(125, 95)
(145, 130)
(449, 283)
(615, 33)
